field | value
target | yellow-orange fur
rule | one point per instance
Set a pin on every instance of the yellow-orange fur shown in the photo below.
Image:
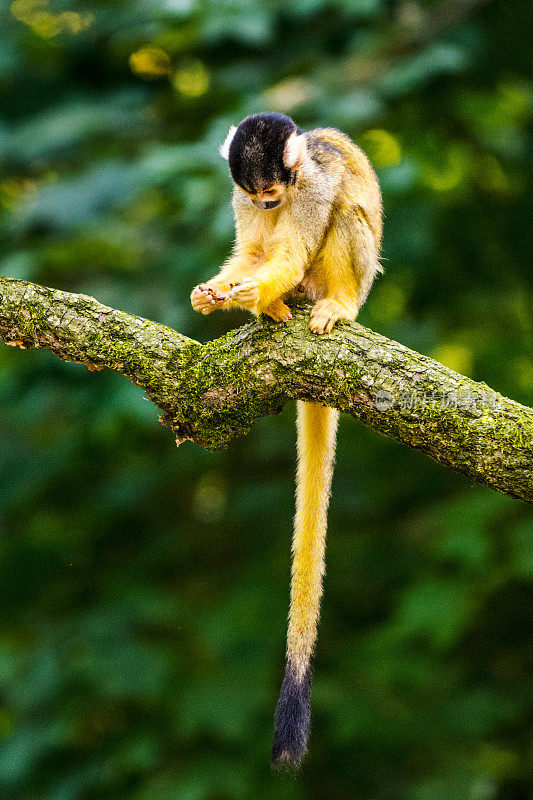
(334, 258)
(323, 240)
(317, 427)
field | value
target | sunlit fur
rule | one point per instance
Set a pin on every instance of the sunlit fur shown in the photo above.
(323, 240)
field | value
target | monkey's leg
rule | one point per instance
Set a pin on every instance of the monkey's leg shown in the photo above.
(327, 312)
(365, 258)
(278, 311)
(349, 262)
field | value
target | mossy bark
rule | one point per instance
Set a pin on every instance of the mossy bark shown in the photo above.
(215, 392)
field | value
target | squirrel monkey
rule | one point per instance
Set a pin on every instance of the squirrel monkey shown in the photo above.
(308, 218)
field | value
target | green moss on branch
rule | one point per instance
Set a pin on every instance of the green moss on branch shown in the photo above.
(215, 392)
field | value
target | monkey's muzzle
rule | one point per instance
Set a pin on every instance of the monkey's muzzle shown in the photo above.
(266, 204)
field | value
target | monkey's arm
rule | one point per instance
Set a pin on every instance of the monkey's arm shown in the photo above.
(236, 267)
(214, 294)
(282, 272)
(246, 281)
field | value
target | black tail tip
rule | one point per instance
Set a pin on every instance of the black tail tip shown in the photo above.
(293, 715)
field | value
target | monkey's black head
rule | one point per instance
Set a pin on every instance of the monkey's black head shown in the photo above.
(263, 154)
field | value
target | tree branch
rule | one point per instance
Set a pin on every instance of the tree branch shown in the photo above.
(215, 392)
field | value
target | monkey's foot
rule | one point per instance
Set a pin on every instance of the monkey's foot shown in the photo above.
(245, 293)
(278, 311)
(206, 298)
(325, 314)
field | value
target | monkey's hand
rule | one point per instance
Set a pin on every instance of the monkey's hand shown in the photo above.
(245, 293)
(206, 298)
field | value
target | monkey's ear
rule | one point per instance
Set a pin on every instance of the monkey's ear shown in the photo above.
(295, 150)
(224, 148)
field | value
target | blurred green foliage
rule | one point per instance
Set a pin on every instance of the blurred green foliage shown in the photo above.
(144, 589)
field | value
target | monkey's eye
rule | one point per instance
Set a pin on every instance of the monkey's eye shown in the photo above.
(269, 191)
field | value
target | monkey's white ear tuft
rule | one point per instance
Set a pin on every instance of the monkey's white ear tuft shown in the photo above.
(295, 150)
(224, 148)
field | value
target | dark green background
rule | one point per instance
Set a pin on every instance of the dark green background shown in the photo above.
(144, 589)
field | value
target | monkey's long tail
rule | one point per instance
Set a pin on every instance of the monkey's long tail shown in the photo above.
(317, 427)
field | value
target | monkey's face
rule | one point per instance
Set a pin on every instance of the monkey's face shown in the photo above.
(267, 197)
(263, 154)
